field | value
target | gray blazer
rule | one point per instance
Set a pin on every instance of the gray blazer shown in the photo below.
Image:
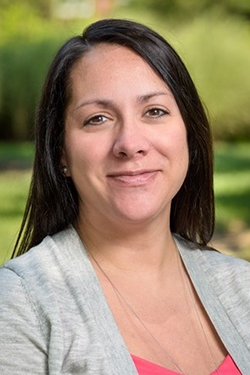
(54, 318)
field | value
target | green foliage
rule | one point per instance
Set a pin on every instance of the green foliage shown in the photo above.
(214, 46)
(20, 20)
(23, 65)
(15, 162)
(241, 7)
(27, 45)
(14, 187)
(232, 186)
(217, 53)
(16, 155)
(40, 7)
(192, 8)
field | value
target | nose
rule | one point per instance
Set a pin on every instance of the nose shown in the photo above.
(131, 141)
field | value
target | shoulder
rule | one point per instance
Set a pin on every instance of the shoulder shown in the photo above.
(37, 295)
(229, 277)
(225, 273)
(12, 287)
(222, 281)
(44, 259)
(226, 267)
(43, 272)
(227, 264)
(42, 278)
(211, 258)
(25, 279)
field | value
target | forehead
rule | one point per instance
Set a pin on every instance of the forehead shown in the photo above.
(103, 53)
(106, 66)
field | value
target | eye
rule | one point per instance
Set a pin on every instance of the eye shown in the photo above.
(96, 120)
(156, 113)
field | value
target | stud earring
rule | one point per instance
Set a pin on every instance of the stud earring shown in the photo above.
(64, 170)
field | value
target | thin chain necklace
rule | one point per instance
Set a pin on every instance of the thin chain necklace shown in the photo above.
(167, 355)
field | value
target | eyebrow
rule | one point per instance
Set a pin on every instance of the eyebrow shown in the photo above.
(107, 103)
(145, 98)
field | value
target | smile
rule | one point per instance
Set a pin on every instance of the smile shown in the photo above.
(136, 178)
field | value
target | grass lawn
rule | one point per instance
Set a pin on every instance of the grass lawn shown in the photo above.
(14, 187)
(232, 186)
(232, 190)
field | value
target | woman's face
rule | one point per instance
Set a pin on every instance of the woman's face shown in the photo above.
(125, 140)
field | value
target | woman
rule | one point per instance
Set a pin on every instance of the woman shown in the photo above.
(119, 279)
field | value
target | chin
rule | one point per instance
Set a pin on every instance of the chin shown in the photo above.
(140, 215)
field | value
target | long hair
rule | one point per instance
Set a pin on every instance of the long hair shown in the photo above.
(53, 202)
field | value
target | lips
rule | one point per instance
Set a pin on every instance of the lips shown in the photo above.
(133, 178)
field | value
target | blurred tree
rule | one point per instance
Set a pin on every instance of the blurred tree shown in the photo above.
(192, 8)
(43, 7)
(241, 7)
(214, 46)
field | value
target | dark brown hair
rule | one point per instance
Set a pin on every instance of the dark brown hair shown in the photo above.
(53, 203)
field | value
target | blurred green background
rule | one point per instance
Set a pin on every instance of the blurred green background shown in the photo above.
(214, 42)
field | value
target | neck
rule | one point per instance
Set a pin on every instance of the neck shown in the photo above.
(138, 248)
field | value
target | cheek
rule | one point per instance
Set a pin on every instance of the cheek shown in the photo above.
(174, 144)
(182, 154)
(179, 140)
(75, 153)
(80, 161)
(85, 157)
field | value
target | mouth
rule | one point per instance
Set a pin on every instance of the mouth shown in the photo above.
(133, 178)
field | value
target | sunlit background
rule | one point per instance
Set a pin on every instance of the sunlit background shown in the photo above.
(213, 39)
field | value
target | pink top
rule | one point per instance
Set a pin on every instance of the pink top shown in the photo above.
(148, 368)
